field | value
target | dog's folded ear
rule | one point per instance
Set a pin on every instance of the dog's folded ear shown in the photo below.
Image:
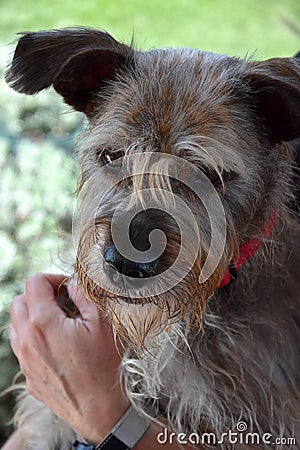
(78, 62)
(275, 93)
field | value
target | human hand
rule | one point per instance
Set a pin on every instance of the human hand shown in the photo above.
(70, 364)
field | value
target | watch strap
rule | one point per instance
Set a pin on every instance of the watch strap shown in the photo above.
(111, 442)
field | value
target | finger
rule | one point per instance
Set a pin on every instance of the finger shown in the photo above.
(14, 341)
(19, 314)
(88, 310)
(44, 284)
(41, 292)
(19, 352)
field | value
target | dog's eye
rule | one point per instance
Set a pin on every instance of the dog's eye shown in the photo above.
(108, 156)
(216, 179)
(213, 176)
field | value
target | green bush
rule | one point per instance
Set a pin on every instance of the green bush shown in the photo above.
(37, 181)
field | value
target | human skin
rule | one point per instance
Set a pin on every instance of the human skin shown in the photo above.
(70, 364)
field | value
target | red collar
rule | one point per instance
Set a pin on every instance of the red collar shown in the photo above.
(247, 250)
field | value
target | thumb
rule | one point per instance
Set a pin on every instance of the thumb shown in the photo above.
(40, 296)
(87, 309)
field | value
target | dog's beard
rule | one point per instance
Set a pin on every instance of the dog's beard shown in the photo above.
(138, 320)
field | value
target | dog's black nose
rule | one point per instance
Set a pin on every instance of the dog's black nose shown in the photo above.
(118, 263)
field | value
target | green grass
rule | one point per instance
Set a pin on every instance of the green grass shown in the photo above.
(228, 26)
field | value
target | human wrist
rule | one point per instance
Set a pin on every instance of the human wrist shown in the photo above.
(101, 423)
(123, 436)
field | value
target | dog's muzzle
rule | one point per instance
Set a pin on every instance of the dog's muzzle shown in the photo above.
(115, 264)
(148, 234)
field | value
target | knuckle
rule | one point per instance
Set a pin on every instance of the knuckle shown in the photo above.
(24, 349)
(36, 332)
(35, 324)
(15, 303)
(33, 279)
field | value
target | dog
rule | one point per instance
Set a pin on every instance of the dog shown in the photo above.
(184, 230)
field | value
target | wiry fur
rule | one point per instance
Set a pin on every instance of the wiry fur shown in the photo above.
(41, 429)
(203, 357)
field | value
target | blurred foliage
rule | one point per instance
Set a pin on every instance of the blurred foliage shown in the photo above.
(37, 182)
(225, 26)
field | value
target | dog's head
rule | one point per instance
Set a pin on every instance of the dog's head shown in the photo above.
(182, 163)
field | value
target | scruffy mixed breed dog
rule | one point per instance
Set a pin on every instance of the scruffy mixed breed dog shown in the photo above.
(184, 230)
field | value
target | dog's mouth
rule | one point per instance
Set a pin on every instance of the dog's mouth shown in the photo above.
(134, 300)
